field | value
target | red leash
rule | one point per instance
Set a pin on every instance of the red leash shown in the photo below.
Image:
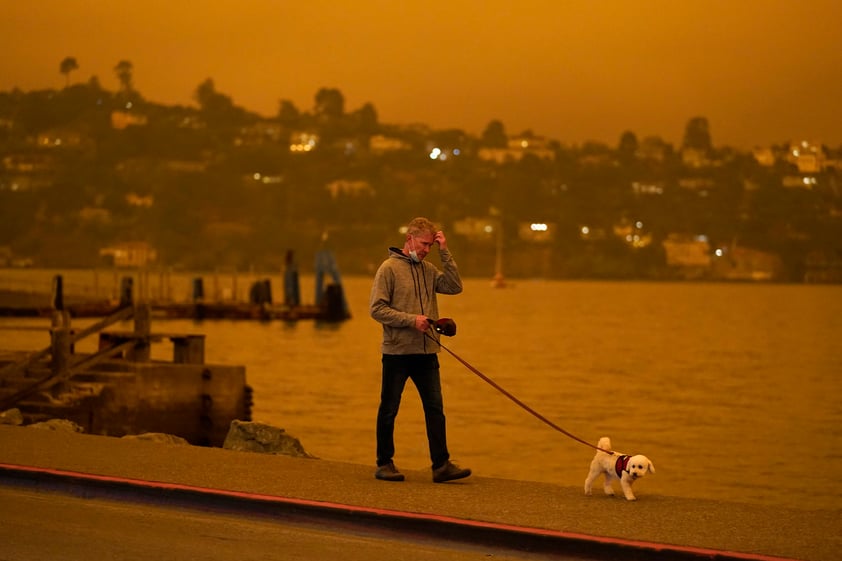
(521, 404)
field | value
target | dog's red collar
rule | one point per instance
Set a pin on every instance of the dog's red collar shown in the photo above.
(621, 464)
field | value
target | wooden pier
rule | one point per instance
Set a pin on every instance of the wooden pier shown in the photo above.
(119, 389)
(329, 306)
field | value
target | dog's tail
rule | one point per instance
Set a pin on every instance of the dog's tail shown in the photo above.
(604, 443)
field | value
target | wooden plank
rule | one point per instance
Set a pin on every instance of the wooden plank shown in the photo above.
(119, 315)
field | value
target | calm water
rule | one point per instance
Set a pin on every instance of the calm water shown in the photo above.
(732, 390)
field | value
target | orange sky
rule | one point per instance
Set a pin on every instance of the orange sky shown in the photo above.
(761, 71)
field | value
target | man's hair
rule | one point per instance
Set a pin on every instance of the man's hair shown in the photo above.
(420, 225)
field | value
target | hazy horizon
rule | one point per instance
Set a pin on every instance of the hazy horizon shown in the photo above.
(760, 72)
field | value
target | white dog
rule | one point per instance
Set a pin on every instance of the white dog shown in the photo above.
(617, 466)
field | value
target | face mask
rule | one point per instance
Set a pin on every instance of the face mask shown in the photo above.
(414, 254)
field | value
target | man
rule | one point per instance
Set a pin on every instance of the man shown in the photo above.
(403, 300)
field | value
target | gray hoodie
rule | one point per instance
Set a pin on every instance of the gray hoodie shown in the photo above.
(404, 289)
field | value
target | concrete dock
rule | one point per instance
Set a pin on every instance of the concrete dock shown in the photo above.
(534, 515)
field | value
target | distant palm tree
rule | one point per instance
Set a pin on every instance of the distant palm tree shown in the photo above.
(67, 66)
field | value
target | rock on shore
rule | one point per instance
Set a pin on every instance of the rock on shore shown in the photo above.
(245, 436)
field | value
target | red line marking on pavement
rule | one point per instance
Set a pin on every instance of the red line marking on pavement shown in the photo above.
(701, 551)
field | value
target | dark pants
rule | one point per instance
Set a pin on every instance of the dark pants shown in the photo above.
(423, 369)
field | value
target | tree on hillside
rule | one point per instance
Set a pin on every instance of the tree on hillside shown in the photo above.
(124, 70)
(288, 114)
(67, 66)
(208, 98)
(627, 148)
(365, 119)
(494, 135)
(94, 84)
(330, 104)
(697, 134)
(217, 108)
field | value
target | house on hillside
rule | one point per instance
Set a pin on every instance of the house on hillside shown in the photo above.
(745, 264)
(130, 254)
(688, 257)
(349, 187)
(63, 137)
(122, 119)
(517, 148)
(259, 133)
(381, 144)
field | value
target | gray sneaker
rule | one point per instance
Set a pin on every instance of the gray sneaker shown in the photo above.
(448, 472)
(388, 472)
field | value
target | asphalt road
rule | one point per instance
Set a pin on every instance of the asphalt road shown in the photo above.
(38, 525)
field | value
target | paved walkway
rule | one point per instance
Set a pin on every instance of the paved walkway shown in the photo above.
(687, 527)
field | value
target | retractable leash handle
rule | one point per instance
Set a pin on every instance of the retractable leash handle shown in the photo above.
(502, 390)
(445, 326)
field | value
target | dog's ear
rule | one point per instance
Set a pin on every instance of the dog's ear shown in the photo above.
(651, 467)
